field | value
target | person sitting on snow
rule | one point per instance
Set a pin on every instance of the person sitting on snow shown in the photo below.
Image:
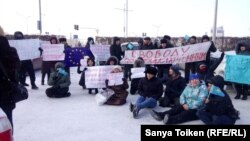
(150, 90)
(219, 109)
(59, 80)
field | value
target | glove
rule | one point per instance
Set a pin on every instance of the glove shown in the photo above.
(123, 79)
(106, 82)
(85, 69)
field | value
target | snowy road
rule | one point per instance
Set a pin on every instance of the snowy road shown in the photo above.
(79, 118)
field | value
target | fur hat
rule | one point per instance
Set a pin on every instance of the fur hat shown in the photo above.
(151, 70)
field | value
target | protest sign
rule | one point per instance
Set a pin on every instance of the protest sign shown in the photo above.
(115, 78)
(95, 76)
(26, 48)
(138, 72)
(53, 52)
(184, 54)
(101, 52)
(237, 69)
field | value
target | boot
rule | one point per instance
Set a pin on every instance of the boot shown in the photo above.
(131, 107)
(25, 84)
(42, 83)
(135, 112)
(238, 91)
(90, 91)
(245, 93)
(157, 115)
(34, 87)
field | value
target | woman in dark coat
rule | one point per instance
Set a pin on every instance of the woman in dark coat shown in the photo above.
(10, 62)
(219, 108)
(242, 48)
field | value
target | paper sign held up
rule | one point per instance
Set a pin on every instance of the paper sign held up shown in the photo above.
(115, 79)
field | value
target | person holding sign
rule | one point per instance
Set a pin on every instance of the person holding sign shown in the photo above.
(59, 80)
(150, 89)
(90, 63)
(242, 48)
(47, 66)
(119, 86)
(139, 63)
(219, 109)
(191, 99)
(116, 50)
(26, 66)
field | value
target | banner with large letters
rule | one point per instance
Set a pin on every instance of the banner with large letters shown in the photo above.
(184, 54)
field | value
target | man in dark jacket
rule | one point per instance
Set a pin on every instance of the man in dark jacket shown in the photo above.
(59, 80)
(147, 44)
(26, 66)
(212, 48)
(175, 84)
(10, 62)
(150, 89)
(219, 108)
(115, 49)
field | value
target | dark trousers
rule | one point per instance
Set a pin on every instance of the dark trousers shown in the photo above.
(241, 89)
(27, 66)
(8, 112)
(179, 115)
(43, 76)
(82, 80)
(163, 70)
(210, 119)
(57, 92)
(127, 71)
(189, 67)
(134, 85)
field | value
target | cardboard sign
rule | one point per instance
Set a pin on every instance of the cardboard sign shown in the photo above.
(138, 72)
(95, 76)
(101, 52)
(27, 48)
(115, 78)
(53, 52)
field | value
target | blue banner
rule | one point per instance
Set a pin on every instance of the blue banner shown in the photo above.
(237, 69)
(74, 55)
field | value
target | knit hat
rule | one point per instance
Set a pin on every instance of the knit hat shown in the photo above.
(151, 70)
(193, 76)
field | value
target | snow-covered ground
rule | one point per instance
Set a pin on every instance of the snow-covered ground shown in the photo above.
(79, 118)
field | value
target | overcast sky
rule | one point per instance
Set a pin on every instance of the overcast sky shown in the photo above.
(155, 17)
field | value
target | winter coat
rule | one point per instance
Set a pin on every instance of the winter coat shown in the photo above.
(150, 88)
(245, 43)
(218, 105)
(147, 47)
(112, 58)
(56, 79)
(116, 50)
(10, 61)
(121, 93)
(194, 97)
(210, 70)
(212, 48)
(174, 87)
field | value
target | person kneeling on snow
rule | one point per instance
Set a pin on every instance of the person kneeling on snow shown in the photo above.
(219, 109)
(59, 80)
(120, 91)
(150, 90)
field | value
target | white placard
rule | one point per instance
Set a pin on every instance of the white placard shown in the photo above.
(115, 78)
(53, 52)
(138, 72)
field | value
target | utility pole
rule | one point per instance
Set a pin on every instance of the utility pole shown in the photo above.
(126, 18)
(40, 17)
(215, 21)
